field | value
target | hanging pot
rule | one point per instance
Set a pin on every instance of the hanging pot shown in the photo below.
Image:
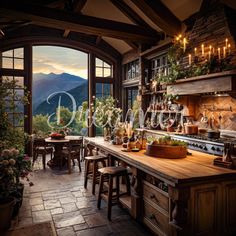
(6, 209)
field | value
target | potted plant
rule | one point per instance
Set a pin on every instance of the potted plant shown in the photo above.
(107, 115)
(7, 187)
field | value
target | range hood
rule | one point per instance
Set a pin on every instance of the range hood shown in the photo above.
(222, 82)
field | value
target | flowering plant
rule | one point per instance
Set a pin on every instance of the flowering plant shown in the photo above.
(13, 166)
(106, 113)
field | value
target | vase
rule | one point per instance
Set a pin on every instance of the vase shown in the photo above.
(107, 133)
(6, 209)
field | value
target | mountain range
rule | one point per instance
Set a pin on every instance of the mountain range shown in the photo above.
(46, 84)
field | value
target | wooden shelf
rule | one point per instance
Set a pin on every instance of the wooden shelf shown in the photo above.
(164, 111)
(154, 93)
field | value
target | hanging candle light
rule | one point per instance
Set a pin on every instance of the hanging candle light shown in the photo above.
(184, 44)
(203, 50)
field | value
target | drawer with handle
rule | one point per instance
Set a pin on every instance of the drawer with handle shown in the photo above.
(154, 219)
(156, 196)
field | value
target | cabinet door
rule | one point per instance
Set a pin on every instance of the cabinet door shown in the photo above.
(205, 208)
(230, 206)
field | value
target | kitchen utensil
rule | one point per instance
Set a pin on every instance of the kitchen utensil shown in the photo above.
(191, 129)
(213, 134)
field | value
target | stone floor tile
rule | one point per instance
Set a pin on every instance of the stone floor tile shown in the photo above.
(34, 195)
(67, 200)
(69, 207)
(77, 194)
(36, 201)
(100, 231)
(88, 211)
(68, 219)
(95, 220)
(57, 211)
(38, 207)
(25, 221)
(80, 226)
(25, 213)
(41, 216)
(51, 204)
(82, 204)
(68, 231)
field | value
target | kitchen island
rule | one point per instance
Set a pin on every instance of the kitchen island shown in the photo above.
(188, 196)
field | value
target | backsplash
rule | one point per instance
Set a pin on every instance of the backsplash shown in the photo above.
(228, 118)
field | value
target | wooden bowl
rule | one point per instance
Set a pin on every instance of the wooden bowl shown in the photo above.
(166, 151)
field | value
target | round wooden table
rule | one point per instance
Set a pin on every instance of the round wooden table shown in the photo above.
(58, 145)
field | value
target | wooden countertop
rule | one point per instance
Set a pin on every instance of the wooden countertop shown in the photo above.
(196, 167)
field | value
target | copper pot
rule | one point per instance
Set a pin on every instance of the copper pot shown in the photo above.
(191, 129)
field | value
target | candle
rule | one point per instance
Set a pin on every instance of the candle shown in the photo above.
(195, 51)
(226, 42)
(189, 59)
(229, 47)
(224, 52)
(184, 44)
(180, 35)
(219, 53)
(202, 49)
(210, 47)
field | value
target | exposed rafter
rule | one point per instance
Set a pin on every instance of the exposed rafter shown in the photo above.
(160, 15)
(58, 19)
(66, 33)
(127, 10)
(78, 5)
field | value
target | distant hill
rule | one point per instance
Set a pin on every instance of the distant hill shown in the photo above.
(45, 84)
(80, 94)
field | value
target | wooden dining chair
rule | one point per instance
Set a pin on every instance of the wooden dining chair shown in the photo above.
(72, 152)
(40, 147)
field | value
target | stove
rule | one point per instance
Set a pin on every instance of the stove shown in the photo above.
(204, 144)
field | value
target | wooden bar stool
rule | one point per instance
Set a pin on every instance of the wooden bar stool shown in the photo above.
(92, 173)
(110, 173)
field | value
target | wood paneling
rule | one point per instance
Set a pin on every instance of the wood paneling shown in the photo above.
(206, 206)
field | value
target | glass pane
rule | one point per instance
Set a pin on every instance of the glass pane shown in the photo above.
(98, 90)
(107, 72)
(19, 82)
(99, 72)
(18, 119)
(8, 53)
(7, 63)
(7, 78)
(106, 65)
(98, 62)
(19, 52)
(10, 117)
(19, 64)
(19, 107)
(107, 89)
(19, 93)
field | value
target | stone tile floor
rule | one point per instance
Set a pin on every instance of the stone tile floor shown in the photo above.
(61, 197)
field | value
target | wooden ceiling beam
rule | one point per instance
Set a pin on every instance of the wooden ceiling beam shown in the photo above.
(156, 11)
(66, 33)
(53, 18)
(78, 5)
(128, 11)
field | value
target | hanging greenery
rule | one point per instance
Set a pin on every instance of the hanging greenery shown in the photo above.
(199, 66)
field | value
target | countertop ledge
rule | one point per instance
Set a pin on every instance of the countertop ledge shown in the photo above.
(196, 167)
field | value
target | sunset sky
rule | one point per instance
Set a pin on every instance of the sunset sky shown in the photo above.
(52, 59)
